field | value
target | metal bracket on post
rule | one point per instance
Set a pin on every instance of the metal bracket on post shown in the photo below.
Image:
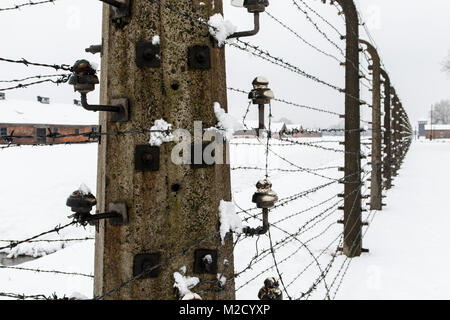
(148, 55)
(95, 48)
(146, 158)
(256, 7)
(123, 114)
(205, 261)
(121, 209)
(146, 261)
(119, 8)
(199, 58)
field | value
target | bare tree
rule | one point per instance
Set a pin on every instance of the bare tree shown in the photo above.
(440, 113)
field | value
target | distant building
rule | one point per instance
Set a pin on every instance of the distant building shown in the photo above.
(421, 126)
(439, 131)
(278, 129)
(42, 123)
(251, 129)
(297, 131)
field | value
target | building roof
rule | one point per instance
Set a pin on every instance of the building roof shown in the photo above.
(31, 112)
(277, 126)
(438, 127)
(293, 126)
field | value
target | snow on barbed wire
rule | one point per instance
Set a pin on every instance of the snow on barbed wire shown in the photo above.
(184, 283)
(226, 122)
(158, 138)
(156, 40)
(220, 29)
(229, 220)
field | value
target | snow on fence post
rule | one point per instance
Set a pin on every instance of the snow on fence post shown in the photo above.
(167, 68)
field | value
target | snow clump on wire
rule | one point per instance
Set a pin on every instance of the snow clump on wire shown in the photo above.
(220, 29)
(229, 220)
(184, 284)
(226, 122)
(158, 138)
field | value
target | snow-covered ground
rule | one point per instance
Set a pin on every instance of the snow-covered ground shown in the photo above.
(407, 240)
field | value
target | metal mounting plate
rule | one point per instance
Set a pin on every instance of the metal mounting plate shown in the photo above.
(148, 55)
(146, 158)
(199, 265)
(199, 58)
(144, 261)
(122, 116)
(117, 13)
(121, 208)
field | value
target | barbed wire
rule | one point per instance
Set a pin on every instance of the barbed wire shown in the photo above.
(34, 77)
(63, 79)
(23, 296)
(316, 26)
(27, 63)
(296, 34)
(52, 240)
(54, 230)
(48, 271)
(267, 56)
(289, 102)
(29, 3)
(282, 169)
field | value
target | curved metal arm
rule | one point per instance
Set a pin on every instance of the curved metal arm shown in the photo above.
(248, 33)
(89, 107)
(259, 230)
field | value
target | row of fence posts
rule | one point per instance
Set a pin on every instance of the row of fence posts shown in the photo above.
(170, 205)
(396, 135)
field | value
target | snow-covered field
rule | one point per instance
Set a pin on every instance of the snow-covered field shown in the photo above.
(408, 240)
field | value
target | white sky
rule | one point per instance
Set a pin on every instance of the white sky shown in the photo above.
(412, 37)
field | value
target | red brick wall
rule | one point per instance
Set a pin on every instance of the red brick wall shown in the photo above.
(307, 135)
(31, 130)
(437, 134)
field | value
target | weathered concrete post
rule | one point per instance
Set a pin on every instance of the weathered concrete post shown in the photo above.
(352, 190)
(376, 179)
(167, 68)
(387, 161)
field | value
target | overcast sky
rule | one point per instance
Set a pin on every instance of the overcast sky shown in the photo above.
(412, 37)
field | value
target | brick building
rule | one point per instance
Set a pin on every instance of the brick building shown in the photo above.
(42, 123)
(296, 131)
(439, 131)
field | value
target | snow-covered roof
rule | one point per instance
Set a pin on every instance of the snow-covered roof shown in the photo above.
(293, 126)
(277, 126)
(31, 112)
(437, 127)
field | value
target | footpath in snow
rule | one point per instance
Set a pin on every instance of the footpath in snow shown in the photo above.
(408, 241)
